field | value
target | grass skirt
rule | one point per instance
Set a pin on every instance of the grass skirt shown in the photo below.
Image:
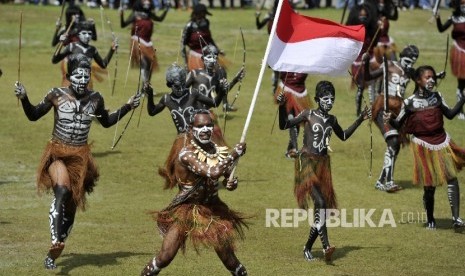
(82, 170)
(211, 225)
(311, 170)
(436, 167)
(147, 51)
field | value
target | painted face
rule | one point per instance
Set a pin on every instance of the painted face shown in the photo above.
(146, 4)
(326, 102)
(407, 62)
(85, 36)
(202, 128)
(210, 60)
(427, 80)
(363, 16)
(79, 79)
(178, 88)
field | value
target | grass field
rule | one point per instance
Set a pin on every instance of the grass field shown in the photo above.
(115, 236)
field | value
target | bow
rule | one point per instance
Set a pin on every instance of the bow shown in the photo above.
(138, 88)
(240, 81)
(19, 47)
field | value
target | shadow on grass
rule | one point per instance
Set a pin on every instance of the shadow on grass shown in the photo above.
(443, 224)
(105, 153)
(406, 184)
(71, 261)
(342, 252)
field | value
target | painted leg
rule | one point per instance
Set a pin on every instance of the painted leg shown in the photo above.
(453, 194)
(320, 222)
(61, 223)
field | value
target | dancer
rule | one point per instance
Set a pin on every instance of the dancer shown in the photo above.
(457, 52)
(67, 167)
(85, 31)
(141, 18)
(181, 102)
(210, 81)
(437, 159)
(297, 100)
(398, 76)
(367, 15)
(312, 165)
(197, 211)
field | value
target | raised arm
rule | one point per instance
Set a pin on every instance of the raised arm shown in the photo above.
(450, 113)
(64, 53)
(160, 18)
(103, 63)
(33, 112)
(442, 28)
(127, 22)
(153, 109)
(107, 119)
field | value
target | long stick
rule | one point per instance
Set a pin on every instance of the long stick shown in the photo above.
(60, 45)
(19, 47)
(259, 80)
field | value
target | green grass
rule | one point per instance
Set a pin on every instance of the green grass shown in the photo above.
(115, 236)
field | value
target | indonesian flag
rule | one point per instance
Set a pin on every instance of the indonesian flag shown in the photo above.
(310, 45)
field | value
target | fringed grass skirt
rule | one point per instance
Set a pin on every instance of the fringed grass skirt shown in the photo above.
(82, 170)
(311, 170)
(436, 167)
(213, 225)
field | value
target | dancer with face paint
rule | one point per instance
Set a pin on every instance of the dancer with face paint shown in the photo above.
(69, 34)
(292, 85)
(181, 102)
(197, 212)
(67, 166)
(367, 15)
(437, 159)
(73, 15)
(457, 51)
(212, 81)
(386, 46)
(196, 35)
(312, 165)
(182, 105)
(141, 18)
(85, 30)
(212, 78)
(399, 74)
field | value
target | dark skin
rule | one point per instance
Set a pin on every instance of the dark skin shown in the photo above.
(184, 170)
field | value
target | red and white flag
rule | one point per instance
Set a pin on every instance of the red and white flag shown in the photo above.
(310, 45)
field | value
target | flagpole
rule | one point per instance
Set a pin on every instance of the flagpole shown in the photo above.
(260, 77)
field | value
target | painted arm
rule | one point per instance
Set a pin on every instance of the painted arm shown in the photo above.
(285, 123)
(189, 159)
(442, 28)
(152, 108)
(345, 134)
